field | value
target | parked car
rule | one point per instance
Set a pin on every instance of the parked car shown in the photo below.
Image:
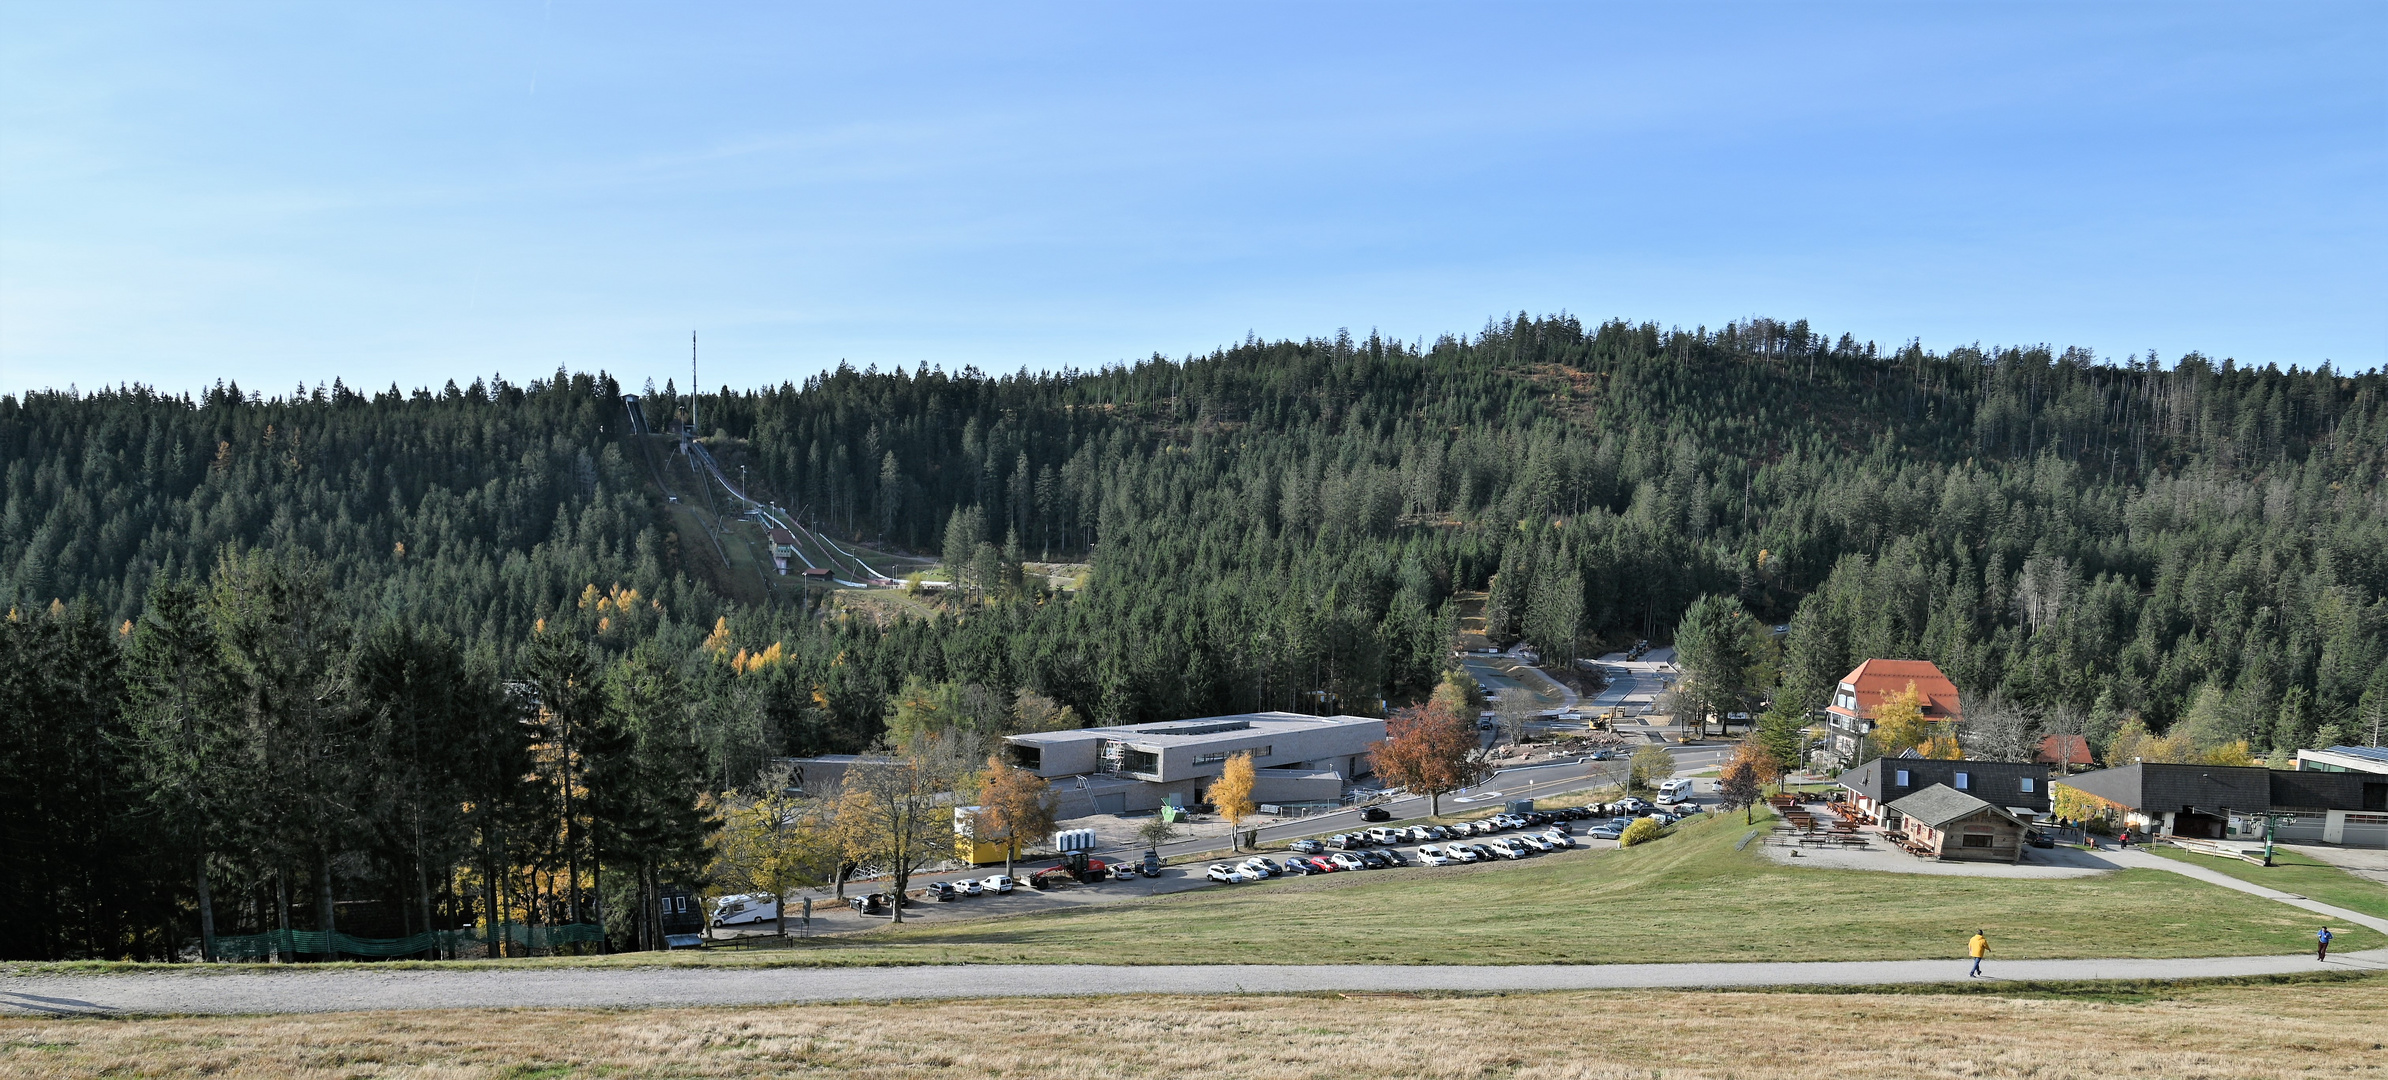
(2036, 838)
(1507, 849)
(1382, 835)
(1559, 839)
(1222, 872)
(1437, 832)
(1465, 853)
(941, 892)
(1536, 841)
(1322, 864)
(1345, 860)
(1307, 846)
(1347, 841)
(1373, 859)
(1394, 857)
(1607, 830)
(1433, 856)
(1376, 813)
(998, 884)
(1298, 867)
(1260, 867)
(1417, 834)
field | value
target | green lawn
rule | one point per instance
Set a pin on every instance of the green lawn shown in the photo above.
(2295, 873)
(1687, 896)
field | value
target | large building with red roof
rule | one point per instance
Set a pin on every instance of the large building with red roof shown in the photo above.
(1863, 690)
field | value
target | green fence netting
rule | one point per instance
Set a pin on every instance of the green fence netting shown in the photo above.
(317, 942)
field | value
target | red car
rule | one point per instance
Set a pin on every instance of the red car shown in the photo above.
(1319, 864)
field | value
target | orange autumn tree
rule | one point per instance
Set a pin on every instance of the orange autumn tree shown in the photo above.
(1430, 750)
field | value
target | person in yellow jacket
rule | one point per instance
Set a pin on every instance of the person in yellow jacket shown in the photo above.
(1979, 947)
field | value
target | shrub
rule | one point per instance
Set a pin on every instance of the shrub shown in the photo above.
(1644, 829)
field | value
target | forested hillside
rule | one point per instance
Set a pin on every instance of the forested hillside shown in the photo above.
(1276, 525)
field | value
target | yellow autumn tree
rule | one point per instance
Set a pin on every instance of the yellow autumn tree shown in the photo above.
(774, 842)
(1231, 793)
(1899, 722)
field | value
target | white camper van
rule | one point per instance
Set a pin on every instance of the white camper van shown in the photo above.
(1674, 791)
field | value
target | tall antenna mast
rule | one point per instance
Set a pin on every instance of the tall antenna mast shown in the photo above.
(693, 429)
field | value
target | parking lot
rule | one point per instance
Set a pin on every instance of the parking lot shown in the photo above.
(1501, 837)
(1581, 825)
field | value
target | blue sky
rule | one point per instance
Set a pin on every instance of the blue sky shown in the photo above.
(414, 192)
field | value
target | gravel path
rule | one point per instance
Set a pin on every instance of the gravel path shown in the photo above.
(301, 991)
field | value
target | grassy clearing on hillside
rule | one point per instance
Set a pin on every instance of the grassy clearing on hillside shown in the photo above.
(1687, 897)
(2264, 1030)
(2300, 874)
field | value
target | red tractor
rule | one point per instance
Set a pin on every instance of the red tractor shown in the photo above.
(1079, 868)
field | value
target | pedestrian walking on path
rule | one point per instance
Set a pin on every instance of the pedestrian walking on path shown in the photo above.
(1980, 947)
(2322, 952)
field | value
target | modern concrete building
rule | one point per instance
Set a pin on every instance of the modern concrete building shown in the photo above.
(1130, 768)
(2367, 759)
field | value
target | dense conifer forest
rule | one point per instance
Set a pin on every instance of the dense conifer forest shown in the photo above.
(396, 660)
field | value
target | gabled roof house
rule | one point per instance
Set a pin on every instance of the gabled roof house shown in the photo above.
(1868, 685)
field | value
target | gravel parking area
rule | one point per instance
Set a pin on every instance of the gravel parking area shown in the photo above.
(2043, 863)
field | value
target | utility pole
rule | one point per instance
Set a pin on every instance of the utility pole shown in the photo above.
(693, 430)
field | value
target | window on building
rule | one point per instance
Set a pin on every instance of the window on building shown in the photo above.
(1977, 840)
(1964, 781)
(1902, 778)
(1259, 753)
(2029, 785)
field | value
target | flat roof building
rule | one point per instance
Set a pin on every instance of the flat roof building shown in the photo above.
(2370, 759)
(2218, 802)
(1135, 767)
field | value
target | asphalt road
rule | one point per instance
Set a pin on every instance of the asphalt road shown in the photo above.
(302, 991)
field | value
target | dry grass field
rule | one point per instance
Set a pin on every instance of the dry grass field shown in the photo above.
(2315, 1028)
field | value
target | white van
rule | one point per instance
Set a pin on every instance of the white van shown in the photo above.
(1674, 791)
